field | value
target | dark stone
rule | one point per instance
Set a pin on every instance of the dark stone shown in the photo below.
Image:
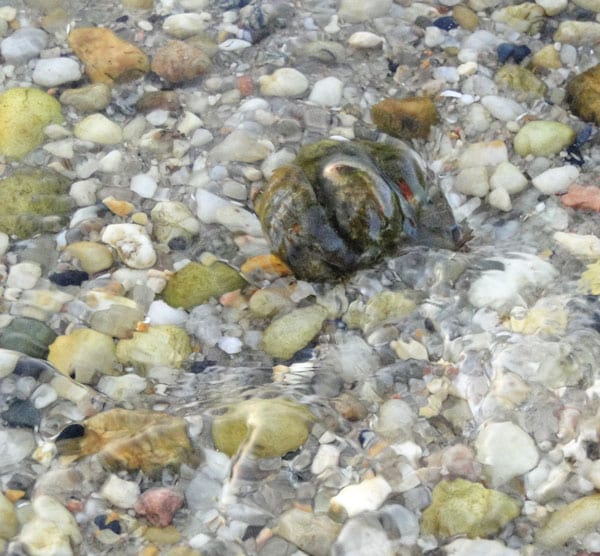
(200, 366)
(28, 336)
(71, 431)
(22, 413)
(178, 244)
(520, 52)
(28, 366)
(505, 51)
(70, 277)
(102, 523)
(446, 23)
(19, 481)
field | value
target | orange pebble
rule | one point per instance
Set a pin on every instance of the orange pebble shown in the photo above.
(14, 495)
(150, 550)
(120, 208)
(269, 264)
(245, 85)
(582, 197)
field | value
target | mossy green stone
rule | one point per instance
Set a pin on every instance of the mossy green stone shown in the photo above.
(520, 79)
(264, 428)
(28, 336)
(34, 201)
(462, 507)
(290, 333)
(543, 138)
(196, 283)
(24, 113)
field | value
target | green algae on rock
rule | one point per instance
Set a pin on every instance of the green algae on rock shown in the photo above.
(33, 201)
(24, 113)
(264, 428)
(461, 507)
(29, 336)
(583, 95)
(163, 344)
(543, 138)
(293, 331)
(520, 79)
(128, 439)
(196, 283)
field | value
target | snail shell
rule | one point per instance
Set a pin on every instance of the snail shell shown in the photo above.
(344, 205)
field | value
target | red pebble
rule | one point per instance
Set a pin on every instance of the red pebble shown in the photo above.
(582, 197)
(158, 505)
(245, 85)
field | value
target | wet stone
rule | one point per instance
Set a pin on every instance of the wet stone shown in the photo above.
(89, 98)
(311, 533)
(178, 62)
(583, 96)
(28, 336)
(405, 118)
(21, 413)
(159, 505)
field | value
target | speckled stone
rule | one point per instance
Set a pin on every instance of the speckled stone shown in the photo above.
(159, 505)
(178, 61)
(405, 118)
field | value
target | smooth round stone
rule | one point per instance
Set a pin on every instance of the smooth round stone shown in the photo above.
(365, 39)
(24, 113)
(577, 33)
(82, 354)
(265, 427)
(552, 7)
(84, 191)
(311, 533)
(8, 518)
(483, 153)
(479, 547)
(508, 177)
(179, 61)
(89, 98)
(502, 108)
(132, 243)
(230, 345)
(49, 508)
(23, 44)
(543, 138)
(97, 128)
(15, 445)
(119, 492)
(366, 496)
(500, 199)
(122, 388)
(239, 146)
(356, 11)
(43, 396)
(502, 465)
(327, 92)
(92, 256)
(173, 220)
(26, 335)
(42, 537)
(569, 521)
(556, 180)
(24, 275)
(472, 181)
(52, 72)
(160, 312)
(395, 420)
(283, 82)
(182, 26)
(160, 345)
(22, 413)
(293, 331)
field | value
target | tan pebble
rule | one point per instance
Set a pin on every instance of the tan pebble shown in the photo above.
(107, 58)
(150, 550)
(118, 207)
(269, 265)
(465, 17)
(233, 299)
(546, 58)
(93, 257)
(140, 218)
(14, 495)
(178, 61)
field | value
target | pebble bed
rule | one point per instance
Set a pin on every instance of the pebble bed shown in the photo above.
(161, 392)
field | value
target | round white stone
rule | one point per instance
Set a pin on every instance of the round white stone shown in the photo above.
(160, 312)
(327, 92)
(230, 344)
(586, 246)
(556, 180)
(120, 493)
(284, 82)
(51, 72)
(25, 43)
(24, 275)
(500, 199)
(502, 108)
(473, 181)
(144, 185)
(98, 129)
(507, 451)
(365, 39)
(185, 25)
(508, 177)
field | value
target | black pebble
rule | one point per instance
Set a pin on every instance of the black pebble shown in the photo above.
(22, 413)
(505, 51)
(114, 525)
(446, 23)
(29, 366)
(520, 53)
(71, 431)
(69, 277)
(201, 366)
(178, 244)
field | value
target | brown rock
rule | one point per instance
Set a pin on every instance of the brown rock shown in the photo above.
(178, 61)
(159, 100)
(107, 58)
(158, 505)
(583, 95)
(405, 118)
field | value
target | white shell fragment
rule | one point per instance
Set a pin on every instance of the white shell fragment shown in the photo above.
(133, 244)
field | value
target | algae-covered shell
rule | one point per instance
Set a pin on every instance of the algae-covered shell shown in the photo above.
(343, 205)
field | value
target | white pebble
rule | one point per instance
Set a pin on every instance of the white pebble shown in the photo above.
(231, 45)
(24, 275)
(504, 464)
(25, 43)
(556, 180)
(483, 153)
(84, 191)
(327, 456)
(434, 36)
(230, 344)
(98, 129)
(363, 497)
(61, 149)
(111, 163)
(327, 92)
(122, 388)
(478, 547)
(51, 72)
(552, 7)
(284, 82)
(160, 312)
(508, 177)
(4, 243)
(502, 108)
(120, 493)
(132, 243)
(50, 509)
(182, 26)
(500, 199)
(585, 246)
(473, 181)
(238, 219)
(189, 123)
(43, 396)
(144, 185)
(365, 39)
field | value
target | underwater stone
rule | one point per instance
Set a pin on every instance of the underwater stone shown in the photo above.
(405, 118)
(28, 336)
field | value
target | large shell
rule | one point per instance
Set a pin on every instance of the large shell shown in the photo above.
(343, 205)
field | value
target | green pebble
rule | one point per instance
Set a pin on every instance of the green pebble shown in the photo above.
(462, 507)
(265, 428)
(34, 201)
(196, 283)
(520, 79)
(28, 336)
(290, 333)
(542, 138)
(160, 345)
(24, 113)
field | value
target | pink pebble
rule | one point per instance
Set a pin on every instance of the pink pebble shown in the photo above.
(159, 505)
